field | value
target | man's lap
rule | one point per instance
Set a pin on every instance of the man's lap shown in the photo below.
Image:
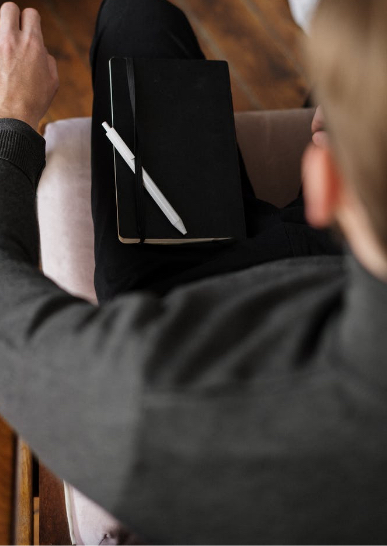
(156, 28)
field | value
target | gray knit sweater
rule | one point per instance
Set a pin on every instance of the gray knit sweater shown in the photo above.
(246, 408)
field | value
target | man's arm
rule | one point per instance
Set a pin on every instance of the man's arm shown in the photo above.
(28, 83)
(68, 375)
(75, 379)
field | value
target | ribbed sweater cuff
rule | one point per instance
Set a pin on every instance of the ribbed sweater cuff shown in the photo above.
(23, 147)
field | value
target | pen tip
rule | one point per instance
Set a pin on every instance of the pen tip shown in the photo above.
(180, 226)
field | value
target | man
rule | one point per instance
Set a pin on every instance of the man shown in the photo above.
(241, 408)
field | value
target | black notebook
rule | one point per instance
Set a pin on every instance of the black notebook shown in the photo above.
(177, 116)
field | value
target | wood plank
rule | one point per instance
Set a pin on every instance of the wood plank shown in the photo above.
(77, 24)
(53, 525)
(242, 99)
(7, 470)
(36, 520)
(23, 530)
(277, 18)
(268, 75)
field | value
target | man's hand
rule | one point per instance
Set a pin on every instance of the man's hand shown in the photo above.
(320, 136)
(28, 74)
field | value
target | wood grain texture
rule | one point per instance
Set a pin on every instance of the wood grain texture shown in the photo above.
(258, 38)
(269, 77)
(7, 466)
(23, 524)
(53, 526)
(242, 99)
(275, 15)
(36, 520)
(77, 22)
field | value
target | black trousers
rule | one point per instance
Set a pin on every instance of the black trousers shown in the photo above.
(157, 29)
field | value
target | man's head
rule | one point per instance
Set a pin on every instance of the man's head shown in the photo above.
(347, 181)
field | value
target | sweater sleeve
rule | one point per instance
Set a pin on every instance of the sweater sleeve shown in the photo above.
(69, 371)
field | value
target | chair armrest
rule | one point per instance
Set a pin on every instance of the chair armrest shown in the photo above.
(64, 207)
(272, 144)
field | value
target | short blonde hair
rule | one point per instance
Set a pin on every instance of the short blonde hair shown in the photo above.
(347, 55)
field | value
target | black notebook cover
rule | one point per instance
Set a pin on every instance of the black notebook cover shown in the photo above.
(186, 133)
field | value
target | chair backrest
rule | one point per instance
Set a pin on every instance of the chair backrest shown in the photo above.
(272, 143)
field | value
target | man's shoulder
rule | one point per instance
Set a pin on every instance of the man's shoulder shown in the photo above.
(267, 311)
(315, 267)
(293, 274)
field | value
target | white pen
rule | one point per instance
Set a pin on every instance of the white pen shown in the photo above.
(150, 186)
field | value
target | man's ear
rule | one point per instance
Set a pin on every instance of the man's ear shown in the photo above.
(322, 186)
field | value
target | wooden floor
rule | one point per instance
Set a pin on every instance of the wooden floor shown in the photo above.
(7, 456)
(257, 37)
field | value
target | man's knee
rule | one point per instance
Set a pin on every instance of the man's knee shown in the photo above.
(140, 13)
(143, 28)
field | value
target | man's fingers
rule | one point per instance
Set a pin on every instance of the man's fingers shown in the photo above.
(9, 17)
(30, 21)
